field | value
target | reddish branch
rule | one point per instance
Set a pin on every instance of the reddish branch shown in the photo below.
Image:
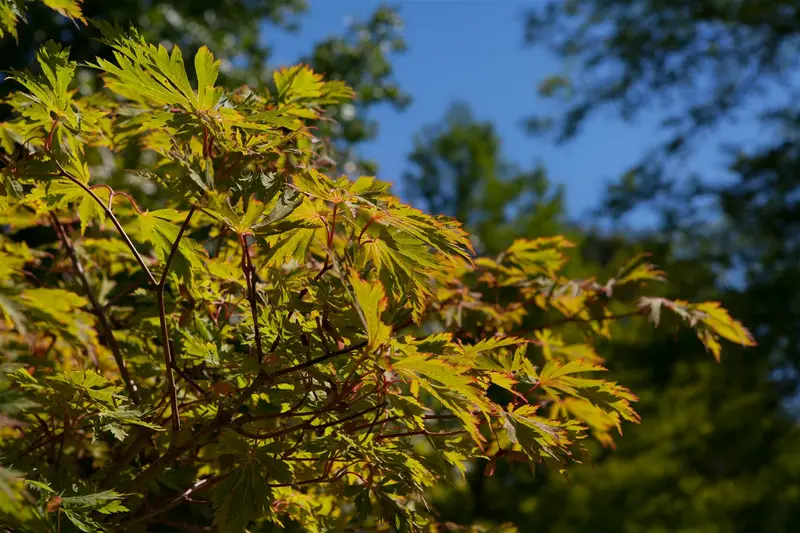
(420, 432)
(249, 272)
(112, 193)
(579, 320)
(169, 359)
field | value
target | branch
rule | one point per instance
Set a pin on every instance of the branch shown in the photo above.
(130, 385)
(307, 425)
(168, 363)
(421, 432)
(317, 360)
(169, 504)
(171, 454)
(322, 479)
(175, 246)
(331, 355)
(110, 214)
(249, 275)
(577, 319)
(169, 359)
(188, 379)
(348, 418)
(139, 442)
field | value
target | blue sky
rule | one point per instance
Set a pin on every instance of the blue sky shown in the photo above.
(473, 51)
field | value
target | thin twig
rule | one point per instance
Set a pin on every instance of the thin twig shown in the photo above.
(175, 245)
(578, 320)
(420, 432)
(108, 334)
(317, 360)
(168, 362)
(173, 502)
(169, 359)
(249, 275)
(188, 379)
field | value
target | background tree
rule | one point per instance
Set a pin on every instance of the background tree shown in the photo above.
(457, 168)
(707, 63)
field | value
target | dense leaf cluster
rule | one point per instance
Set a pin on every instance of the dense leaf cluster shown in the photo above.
(292, 346)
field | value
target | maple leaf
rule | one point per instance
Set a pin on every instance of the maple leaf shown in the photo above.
(371, 303)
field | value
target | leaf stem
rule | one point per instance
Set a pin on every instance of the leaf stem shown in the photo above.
(577, 319)
(175, 245)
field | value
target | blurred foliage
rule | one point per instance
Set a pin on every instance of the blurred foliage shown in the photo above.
(362, 60)
(703, 67)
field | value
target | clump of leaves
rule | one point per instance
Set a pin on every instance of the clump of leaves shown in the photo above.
(12, 12)
(294, 347)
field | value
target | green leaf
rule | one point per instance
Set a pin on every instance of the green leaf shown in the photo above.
(538, 256)
(83, 522)
(241, 497)
(539, 436)
(68, 8)
(89, 210)
(92, 501)
(370, 304)
(155, 227)
(86, 382)
(207, 71)
(720, 321)
(288, 201)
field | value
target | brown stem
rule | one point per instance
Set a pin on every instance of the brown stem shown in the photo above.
(317, 360)
(163, 281)
(169, 504)
(577, 319)
(170, 455)
(322, 479)
(332, 231)
(112, 193)
(325, 268)
(420, 432)
(169, 358)
(349, 417)
(188, 379)
(108, 334)
(168, 362)
(49, 140)
(249, 275)
(139, 442)
(363, 230)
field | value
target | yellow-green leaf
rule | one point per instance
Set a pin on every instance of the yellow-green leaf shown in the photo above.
(371, 303)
